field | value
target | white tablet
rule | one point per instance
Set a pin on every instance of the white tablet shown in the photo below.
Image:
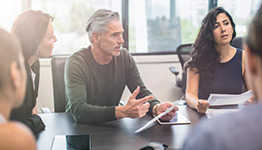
(71, 142)
(177, 119)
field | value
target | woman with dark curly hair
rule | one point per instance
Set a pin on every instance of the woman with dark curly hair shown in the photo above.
(215, 66)
(237, 130)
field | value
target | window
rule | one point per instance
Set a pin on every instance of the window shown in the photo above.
(161, 26)
(9, 10)
(242, 12)
(154, 26)
(70, 19)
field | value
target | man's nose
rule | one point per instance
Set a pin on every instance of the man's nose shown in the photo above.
(54, 38)
(120, 39)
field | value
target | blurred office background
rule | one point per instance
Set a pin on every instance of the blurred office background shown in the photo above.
(153, 31)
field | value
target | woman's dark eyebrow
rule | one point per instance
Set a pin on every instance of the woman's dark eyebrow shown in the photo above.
(225, 21)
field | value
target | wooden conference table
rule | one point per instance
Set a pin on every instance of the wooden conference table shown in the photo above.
(119, 134)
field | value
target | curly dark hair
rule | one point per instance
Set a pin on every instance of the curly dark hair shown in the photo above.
(204, 56)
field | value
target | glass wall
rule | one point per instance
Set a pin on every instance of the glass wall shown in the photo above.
(9, 10)
(242, 12)
(161, 26)
(154, 26)
(70, 20)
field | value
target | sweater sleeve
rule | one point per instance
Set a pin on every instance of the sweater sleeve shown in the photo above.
(75, 87)
(134, 80)
(34, 122)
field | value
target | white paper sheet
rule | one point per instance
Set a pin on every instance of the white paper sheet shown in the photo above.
(150, 123)
(229, 99)
(210, 113)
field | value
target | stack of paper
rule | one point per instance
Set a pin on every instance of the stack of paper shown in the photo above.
(224, 100)
(210, 113)
(229, 99)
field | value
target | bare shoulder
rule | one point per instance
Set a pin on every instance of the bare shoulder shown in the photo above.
(192, 72)
(15, 135)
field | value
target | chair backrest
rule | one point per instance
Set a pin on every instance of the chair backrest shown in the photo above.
(183, 52)
(58, 65)
(237, 42)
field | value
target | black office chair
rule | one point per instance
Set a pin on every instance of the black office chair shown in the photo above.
(183, 52)
(58, 65)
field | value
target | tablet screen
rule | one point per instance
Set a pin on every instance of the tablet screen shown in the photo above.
(177, 119)
(71, 142)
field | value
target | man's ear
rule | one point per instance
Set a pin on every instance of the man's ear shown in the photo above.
(95, 37)
(15, 75)
(251, 61)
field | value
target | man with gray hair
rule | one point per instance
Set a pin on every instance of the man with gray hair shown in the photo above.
(95, 77)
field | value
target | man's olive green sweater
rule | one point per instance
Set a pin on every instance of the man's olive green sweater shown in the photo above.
(93, 90)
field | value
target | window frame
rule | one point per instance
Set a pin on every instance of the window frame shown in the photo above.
(125, 18)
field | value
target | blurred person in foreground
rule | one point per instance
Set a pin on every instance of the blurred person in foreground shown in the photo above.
(13, 135)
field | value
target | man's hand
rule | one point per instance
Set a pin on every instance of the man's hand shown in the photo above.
(202, 106)
(162, 107)
(135, 108)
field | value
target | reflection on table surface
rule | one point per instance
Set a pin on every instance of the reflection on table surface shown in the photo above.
(117, 134)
